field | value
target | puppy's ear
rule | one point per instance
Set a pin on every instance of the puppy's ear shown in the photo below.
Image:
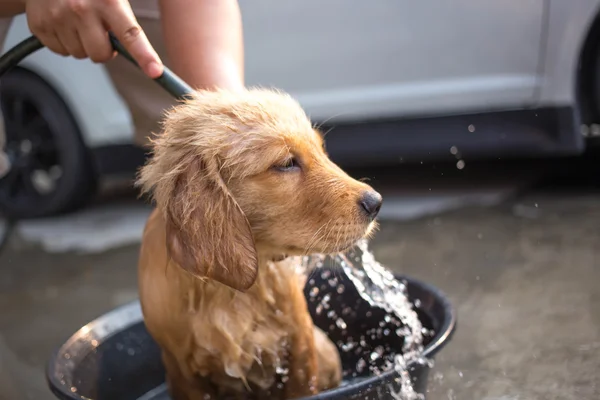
(207, 232)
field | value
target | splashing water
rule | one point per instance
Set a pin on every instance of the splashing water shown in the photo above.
(377, 286)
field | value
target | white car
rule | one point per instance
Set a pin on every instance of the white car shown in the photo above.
(400, 80)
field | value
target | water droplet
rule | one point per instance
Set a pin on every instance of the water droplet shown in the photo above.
(453, 150)
(341, 323)
(340, 289)
(460, 164)
(360, 365)
(471, 128)
(281, 371)
(346, 347)
(73, 389)
(314, 291)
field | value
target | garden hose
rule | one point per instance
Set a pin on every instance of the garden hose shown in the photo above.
(168, 80)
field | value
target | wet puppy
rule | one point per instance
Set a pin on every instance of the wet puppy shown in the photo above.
(240, 181)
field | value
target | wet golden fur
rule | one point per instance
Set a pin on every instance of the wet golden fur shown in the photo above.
(230, 203)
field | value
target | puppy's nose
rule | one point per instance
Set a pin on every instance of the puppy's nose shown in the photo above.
(370, 202)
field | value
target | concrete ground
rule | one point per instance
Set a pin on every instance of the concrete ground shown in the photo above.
(519, 259)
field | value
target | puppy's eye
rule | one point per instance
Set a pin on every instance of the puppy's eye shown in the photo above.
(291, 164)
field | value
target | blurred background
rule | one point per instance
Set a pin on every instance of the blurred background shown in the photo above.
(476, 120)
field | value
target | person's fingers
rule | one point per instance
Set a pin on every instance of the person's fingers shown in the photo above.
(123, 24)
(69, 38)
(51, 41)
(93, 36)
(40, 25)
(94, 39)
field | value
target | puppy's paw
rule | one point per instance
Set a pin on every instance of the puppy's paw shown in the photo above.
(330, 364)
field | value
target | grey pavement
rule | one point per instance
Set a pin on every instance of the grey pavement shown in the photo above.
(521, 266)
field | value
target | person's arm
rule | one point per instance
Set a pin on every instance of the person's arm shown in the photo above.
(204, 42)
(10, 8)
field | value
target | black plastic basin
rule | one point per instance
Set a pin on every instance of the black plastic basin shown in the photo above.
(114, 357)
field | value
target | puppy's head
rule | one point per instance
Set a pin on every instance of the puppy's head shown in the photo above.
(237, 172)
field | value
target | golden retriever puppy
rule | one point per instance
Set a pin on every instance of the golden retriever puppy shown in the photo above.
(241, 181)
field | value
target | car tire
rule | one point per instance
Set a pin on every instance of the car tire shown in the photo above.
(595, 90)
(51, 171)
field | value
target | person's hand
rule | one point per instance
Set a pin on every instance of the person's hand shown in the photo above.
(79, 28)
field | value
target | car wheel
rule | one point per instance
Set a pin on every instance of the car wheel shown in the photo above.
(51, 171)
(595, 90)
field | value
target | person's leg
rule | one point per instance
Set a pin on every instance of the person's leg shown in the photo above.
(206, 39)
(145, 99)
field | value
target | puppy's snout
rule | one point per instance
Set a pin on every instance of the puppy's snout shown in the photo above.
(370, 203)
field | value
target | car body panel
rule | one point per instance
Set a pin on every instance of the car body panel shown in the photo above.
(568, 25)
(351, 59)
